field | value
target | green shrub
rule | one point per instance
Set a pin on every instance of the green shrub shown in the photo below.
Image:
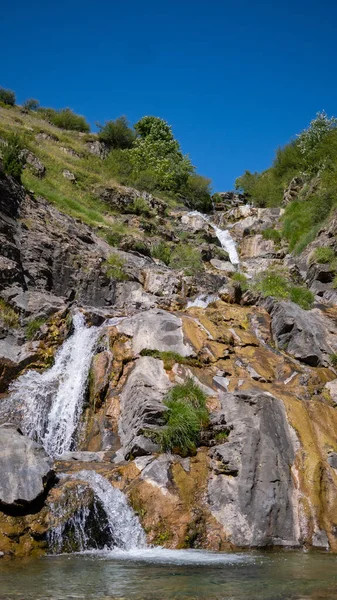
(12, 159)
(186, 416)
(221, 437)
(7, 97)
(169, 358)
(333, 359)
(241, 279)
(33, 327)
(67, 119)
(196, 194)
(273, 284)
(8, 315)
(162, 251)
(302, 296)
(114, 267)
(31, 104)
(272, 234)
(118, 166)
(323, 255)
(302, 219)
(186, 258)
(117, 134)
(139, 207)
(276, 284)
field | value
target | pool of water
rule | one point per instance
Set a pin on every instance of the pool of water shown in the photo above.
(172, 575)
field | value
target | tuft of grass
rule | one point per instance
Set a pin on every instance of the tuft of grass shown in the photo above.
(323, 255)
(221, 436)
(241, 279)
(114, 267)
(33, 327)
(8, 314)
(279, 286)
(187, 259)
(186, 416)
(162, 251)
(333, 359)
(272, 234)
(139, 207)
(302, 296)
(273, 284)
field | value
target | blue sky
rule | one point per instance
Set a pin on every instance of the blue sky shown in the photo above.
(235, 78)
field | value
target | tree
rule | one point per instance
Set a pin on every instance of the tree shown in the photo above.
(155, 149)
(31, 104)
(246, 182)
(310, 141)
(197, 193)
(7, 97)
(12, 158)
(117, 134)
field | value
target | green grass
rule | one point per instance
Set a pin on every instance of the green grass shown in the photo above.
(272, 234)
(33, 327)
(221, 437)
(114, 267)
(8, 315)
(162, 251)
(280, 287)
(186, 258)
(186, 416)
(242, 280)
(302, 296)
(170, 358)
(323, 255)
(333, 359)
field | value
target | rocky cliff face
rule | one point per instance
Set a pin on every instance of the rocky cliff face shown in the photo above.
(264, 473)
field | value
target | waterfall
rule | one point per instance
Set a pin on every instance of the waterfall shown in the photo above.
(224, 237)
(53, 400)
(89, 529)
(202, 301)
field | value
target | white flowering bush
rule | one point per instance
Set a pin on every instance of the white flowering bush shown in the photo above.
(310, 141)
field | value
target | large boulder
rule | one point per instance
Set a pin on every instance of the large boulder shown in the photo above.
(156, 329)
(303, 334)
(250, 489)
(25, 470)
(141, 406)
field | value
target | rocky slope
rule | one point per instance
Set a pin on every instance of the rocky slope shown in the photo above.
(264, 473)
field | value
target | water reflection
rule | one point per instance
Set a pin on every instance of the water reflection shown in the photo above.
(172, 575)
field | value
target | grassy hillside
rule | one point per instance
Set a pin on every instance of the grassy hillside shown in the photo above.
(307, 168)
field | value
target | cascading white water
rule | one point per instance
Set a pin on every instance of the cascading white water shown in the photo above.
(90, 528)
(53, 400)
(125, 528)
(202, 301)
(224, 237)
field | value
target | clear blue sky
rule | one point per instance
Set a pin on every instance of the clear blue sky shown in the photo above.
(235, 78)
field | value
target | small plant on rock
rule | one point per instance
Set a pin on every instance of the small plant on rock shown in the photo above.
(162, 251)
(186, 416)
(187, 259)
(302, 296)
(333, 359)
(33, 327)
(114, 267)
(8, 314)
(272, 234)
(12, 158)
(323, 255)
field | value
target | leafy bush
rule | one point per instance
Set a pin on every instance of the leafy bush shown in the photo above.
(7, 97)
(8, 315)
(139, 207)
(162, 251)
(66, 119)
(114, 267)
(12, 159)
(302, 219)
(196, 194)
(272, 234)
(155, 149)
(186, 416)
(33, 327)
(117, 134)
(323, 255)
(186, 258)
(302, 296)
(31, 104)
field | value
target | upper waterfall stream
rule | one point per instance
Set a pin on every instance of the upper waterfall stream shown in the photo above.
(224, 237)
(53, 400)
